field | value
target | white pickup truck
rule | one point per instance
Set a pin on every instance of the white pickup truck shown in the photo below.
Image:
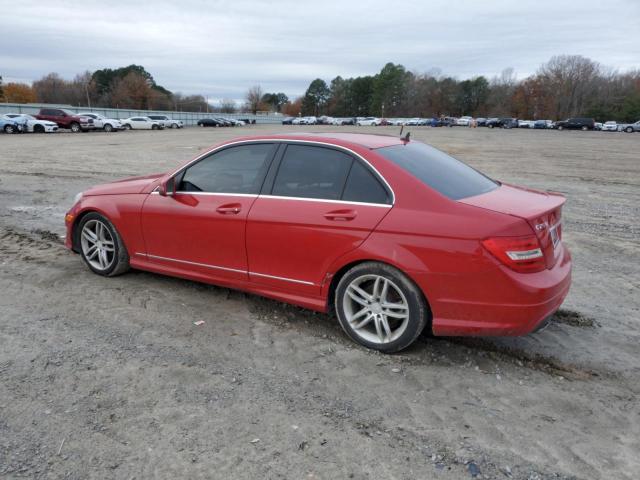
(166, 121)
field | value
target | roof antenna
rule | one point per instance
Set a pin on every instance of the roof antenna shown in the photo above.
(406, 139)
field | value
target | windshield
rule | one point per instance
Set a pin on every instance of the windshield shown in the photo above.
(440, 171)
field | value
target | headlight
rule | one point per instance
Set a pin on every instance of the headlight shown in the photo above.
(77, 198)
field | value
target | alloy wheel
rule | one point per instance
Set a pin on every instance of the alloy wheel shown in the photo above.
(98, 246)
(376, 309)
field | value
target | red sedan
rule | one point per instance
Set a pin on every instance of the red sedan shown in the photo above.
(391, 234)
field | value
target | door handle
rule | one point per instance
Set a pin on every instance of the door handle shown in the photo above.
(229, 209)
(341, 215)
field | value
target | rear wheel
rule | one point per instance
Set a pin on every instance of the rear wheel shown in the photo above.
(74, 127)
(9, 129)
(584, 128)
(380, 307)
(628, 130)
(127, 126)
(101, 246)
(560, 127)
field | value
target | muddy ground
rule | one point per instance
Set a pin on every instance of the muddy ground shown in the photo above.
(110, 378)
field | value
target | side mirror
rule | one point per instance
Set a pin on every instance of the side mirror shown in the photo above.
(168, 187)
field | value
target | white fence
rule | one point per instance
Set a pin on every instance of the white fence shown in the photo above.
(189, 118)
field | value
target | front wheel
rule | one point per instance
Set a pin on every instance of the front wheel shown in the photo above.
(560, 127)
(9, 129)
(108, 127)
(628, 130)
(154, 127)
(75, 127)
(101, 246)
(380, 307)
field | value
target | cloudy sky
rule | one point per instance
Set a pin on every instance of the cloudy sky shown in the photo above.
(220, 48)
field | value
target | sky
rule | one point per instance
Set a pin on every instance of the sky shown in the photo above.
(221, 48)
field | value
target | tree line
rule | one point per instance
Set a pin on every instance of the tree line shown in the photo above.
(565, 86)
(130, 87)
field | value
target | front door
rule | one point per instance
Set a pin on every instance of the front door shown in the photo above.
(201, 227)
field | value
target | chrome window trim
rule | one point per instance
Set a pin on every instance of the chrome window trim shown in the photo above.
(286, 140)
(216, 267)
(324, 200)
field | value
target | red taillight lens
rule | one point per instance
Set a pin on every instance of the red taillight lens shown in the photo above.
(522, 254)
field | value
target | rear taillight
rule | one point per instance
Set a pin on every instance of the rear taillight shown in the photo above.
(522, 254)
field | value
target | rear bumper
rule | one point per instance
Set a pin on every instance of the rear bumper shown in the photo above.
(520, 303)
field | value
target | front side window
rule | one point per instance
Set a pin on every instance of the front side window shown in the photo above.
(312, 172)
(440, 171)
(238, 169)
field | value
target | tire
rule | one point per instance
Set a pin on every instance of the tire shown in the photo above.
(364, 318)
(584, 128)
(560, 127)
(174, 125)
(75, 127)
(154, 127)
(629, 129)
(107, 263)
(107, 127)
(38, 129)
(491, 126)
(9, 129)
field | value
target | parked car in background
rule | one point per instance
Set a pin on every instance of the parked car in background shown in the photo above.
(412, 122)
(576, 124)
(630, 127)
(8, 125)
(288, 121)
(464, 121)
(506, 122)
(481, 122)
(141, 123)
(31, 124)
(167, 122)
(66, 119)
(394, 235)
(540, 124)
(348, 121)
(525, 123)
(368, 122)
(209, 122)
(609, 126)
(106, 124)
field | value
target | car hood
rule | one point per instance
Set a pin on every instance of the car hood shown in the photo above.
(126, 185)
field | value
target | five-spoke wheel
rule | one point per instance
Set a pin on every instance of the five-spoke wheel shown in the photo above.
(380, 307)
(101, 246)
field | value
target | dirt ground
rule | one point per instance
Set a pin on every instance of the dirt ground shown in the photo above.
(110, 378)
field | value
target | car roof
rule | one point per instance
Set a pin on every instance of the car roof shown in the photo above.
(370, 141)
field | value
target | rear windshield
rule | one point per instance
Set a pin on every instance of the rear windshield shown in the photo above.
(438, 170)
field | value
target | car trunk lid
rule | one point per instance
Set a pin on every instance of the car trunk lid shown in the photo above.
(541, 210)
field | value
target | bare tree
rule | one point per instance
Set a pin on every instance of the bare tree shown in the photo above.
(254, 98)
(227, 105)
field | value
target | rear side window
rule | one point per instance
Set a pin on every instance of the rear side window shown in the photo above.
(363, 186)
(438, 170)
(312, 172)
(238, 169)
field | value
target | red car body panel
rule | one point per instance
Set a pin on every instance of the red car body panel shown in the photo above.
(291, 249)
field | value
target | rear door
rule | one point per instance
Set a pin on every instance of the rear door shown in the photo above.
(202, 226)
(318, 203)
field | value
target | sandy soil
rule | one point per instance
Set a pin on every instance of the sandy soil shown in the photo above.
(110, 378)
